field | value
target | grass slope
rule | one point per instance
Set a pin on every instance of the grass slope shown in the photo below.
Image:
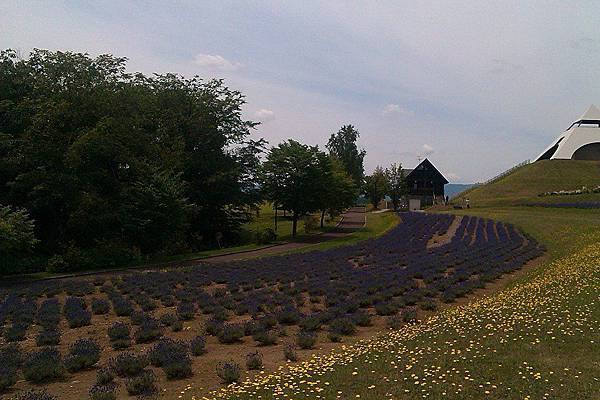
(536, 339)
(526, 183)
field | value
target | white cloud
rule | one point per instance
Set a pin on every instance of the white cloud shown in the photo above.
(215, 62)
(264, 115)
(427, 150)
(396, 109)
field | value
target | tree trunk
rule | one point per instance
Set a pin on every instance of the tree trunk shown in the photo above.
(322, 218)
(275, 218)
(294, 224)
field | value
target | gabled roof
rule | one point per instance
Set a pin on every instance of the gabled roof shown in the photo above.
(427, 166)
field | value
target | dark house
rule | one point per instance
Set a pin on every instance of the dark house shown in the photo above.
(425, 183)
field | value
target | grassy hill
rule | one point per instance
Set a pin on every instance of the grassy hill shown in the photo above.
(526, 183)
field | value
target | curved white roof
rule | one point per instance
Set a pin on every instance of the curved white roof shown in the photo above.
(584, 131)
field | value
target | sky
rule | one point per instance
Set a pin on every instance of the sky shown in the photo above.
(475, 86)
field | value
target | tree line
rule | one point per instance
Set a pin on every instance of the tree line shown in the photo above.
(102, 167)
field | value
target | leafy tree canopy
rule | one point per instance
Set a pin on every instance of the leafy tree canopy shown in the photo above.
(342, 145)
(106, 158)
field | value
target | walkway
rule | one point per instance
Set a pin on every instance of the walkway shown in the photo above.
(352, 220)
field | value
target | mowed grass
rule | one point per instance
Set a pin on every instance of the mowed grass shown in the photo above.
(526, 183)
(537, 339)
(266, 220)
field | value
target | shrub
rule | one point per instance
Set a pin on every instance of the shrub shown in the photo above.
(254, 361)
(16, 332)
(231, 333)
(394, 322)
(103, 392)
(31, 394)
(310, 323)
(342, 326)
(229, 371)
(265, 337)
(213, 327)
(128, 364)
(168, 319)
(186, 311)
(288, 316)
(148, 331)
(100, 306)
(83, 354)
(166, 349)
(362, 318)
(409, 314)
(177, 367)
(386, 308)
(142, 384)
(8, 377)
(177, 326)
(119, 335)
(428, 305)
(198, 345)
(306, 339)
(76, 313)
(48, 337)
(11, 356)
(43, 366)
(122, 307)
(289, 352)
(334, 337)
(104, 376)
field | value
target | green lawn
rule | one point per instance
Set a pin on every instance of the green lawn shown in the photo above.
(526, 183)
(536, 339)
(266, 219)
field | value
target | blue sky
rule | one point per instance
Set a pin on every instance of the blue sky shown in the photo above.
(476, 86)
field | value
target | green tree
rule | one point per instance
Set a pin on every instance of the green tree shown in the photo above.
(342, 145)
(96, 153)
(396, 184)
(339, 192)
(376, 186)
(294, 177)
(17, 238)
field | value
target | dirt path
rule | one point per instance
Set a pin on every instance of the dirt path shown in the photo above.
(352, 220)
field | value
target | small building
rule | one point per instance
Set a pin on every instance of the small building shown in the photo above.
(580, 142)
(425, 183)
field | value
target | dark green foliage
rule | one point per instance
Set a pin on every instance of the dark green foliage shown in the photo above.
(428, 305)
(306, 339)
(17, 238)
(31, 394)
(148, 331)
(103, 392)
(48, 337)
(198, 345)
(342, 145)
(409, 314)
(229, 371)
(142, 384)
(289, 352)
(265, 337)
(119, 334)
(113, 165)
(100, 306)
(104, 376)
(186, 311)
(43, 366)
(8, 377)
(231, 333)
(362, 318)
(342, 326)
(128, 364)
(83, 354)
(254, 361)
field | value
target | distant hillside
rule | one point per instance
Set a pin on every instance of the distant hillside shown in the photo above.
(526, 183)
(452, 189)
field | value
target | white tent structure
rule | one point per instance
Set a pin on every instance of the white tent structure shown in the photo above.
(580, 142)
